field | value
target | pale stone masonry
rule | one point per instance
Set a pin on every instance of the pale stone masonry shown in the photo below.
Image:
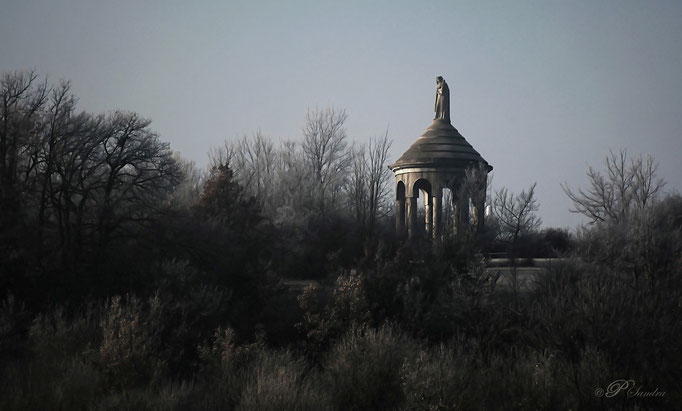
(438, 159)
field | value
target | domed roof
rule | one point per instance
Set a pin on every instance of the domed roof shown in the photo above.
(441, 145)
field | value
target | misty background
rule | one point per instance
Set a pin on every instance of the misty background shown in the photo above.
(539, 88)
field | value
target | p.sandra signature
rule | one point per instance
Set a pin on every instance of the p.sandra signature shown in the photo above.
(628, 388)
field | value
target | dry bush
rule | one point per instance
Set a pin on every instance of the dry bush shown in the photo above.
(58, 371)
(436, 378)
(458, 375)
(325, 318)
(224, 368)
(282, 381)
(363, 370)
(603, 323)
(129, 352)
(14, 319)
(248, 376)
(169, 396)
(55, 335)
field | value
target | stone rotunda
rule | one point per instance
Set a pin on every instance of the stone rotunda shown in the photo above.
(439, 160)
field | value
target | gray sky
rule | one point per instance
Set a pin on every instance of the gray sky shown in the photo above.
(539, 88)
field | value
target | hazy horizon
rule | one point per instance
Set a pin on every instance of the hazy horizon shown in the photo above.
(540, 89)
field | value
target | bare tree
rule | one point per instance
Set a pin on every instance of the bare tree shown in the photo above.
(516, 215)
(23, 99)
(137, 170)
(75, 179)
(356, 186)
(367, 186)
(379, 175)
(60, 122)
(254, 165)
(627, 187)
(221, 155)
(324, 150)
(188, 191)
(109, 174)
(294, 196)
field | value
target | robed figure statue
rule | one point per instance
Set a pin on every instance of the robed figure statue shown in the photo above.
(442, 100)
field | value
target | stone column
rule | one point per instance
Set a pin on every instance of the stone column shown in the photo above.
(411, 216)
(428, 213)
(400, 216)
(437, 212)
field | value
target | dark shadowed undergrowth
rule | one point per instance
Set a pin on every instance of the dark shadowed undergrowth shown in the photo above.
(394, 333)
(116, 355)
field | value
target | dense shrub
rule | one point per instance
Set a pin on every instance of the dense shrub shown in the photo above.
(282, 381)
(364, 369)
(131, 343)
(224, 367)
(60, 368)
(327, 315)
(14, 321)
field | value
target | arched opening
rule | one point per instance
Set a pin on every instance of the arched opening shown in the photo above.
(424, 218)
(400, 191)
(421, 184)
